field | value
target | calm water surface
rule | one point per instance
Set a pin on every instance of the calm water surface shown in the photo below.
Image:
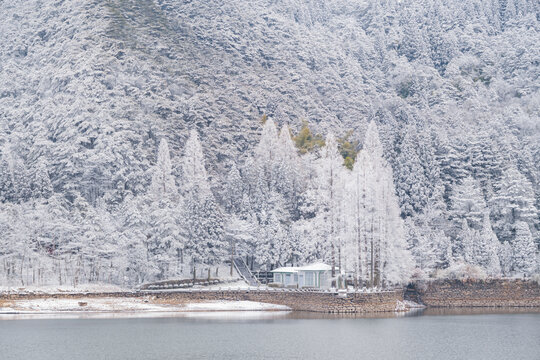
(435, 335)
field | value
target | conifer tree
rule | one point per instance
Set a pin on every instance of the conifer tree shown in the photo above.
(7, 188)
(204, 230)
(485, 162)
(382, 231)
(330, 171)
(21, 180)
(506, 258)
(233, 191)
(266, 151)
(411, 183)
(454, 164)
(524, 250)
(134, 229)
(194, 175)
(513, 202)
(468, 203)
(165, 234)
(464, 243)
(41, 184)
(203, 220)
(486, 248)
(421, 247)
(163, 187)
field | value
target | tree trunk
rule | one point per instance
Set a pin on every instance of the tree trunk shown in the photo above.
(233, 246)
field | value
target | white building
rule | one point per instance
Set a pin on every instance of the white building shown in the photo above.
(316, 275)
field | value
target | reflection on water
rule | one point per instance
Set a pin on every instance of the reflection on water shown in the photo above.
(474, 334)
(254, 315)
(233, 315)
(481, 310)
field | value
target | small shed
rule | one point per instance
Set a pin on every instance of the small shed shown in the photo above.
(285, 276)
(317, 275)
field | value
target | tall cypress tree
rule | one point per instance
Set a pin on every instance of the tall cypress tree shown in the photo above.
(524, 250)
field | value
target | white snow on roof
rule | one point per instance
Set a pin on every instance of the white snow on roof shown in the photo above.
(316, 267)
(286, 270)
(310, 267)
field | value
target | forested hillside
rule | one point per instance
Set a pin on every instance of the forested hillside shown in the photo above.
(132, 146)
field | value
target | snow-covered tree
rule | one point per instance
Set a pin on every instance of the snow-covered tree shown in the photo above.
(468, 203)
(203, 219)
(381, 229)
(330, 171)
(136, 240)
(21, 180)
(163, 186)
(204, 226)
(506, 258)
(524, 250)
(233, 191)
(486, 249)
(166, 234)
(486, 162)
(41, 183)
(411, 182)
(513, 202)
(194, 176)
(452, 85)
(7, 188)
(463, 248)
(428, 243)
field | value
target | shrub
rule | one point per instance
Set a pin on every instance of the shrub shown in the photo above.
(462, 271)
(418, 274)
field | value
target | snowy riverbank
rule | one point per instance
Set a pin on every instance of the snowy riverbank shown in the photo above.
(111, 304)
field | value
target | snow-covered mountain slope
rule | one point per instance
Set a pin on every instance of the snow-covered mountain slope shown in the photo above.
(92, 84)
(89, 89)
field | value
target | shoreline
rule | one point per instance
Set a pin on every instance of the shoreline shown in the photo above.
(118, 305)
(261, 314)
(439, 294)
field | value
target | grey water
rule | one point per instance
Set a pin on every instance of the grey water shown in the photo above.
(443, 335)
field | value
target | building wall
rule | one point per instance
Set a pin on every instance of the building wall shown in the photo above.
(305, 278)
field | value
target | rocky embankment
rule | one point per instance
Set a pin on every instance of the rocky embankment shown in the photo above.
(476, 293)
(323, 302)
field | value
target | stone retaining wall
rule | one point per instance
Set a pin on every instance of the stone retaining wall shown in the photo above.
(479, 293)
(303, 301)
(300, 301)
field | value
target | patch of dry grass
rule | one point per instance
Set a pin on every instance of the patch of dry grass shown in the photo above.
(168, 301)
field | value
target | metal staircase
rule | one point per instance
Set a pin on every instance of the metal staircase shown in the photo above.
(244, 272)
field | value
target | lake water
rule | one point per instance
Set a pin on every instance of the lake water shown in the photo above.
(438, 335)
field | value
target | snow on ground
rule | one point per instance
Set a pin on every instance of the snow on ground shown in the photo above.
(413, 305)
(222, 305)
(54, 289)
(83, 304)
(240, 284)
